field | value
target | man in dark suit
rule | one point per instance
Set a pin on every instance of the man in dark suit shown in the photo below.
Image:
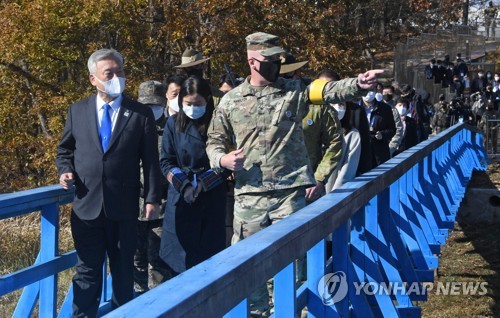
(382, 128)
(105, 138)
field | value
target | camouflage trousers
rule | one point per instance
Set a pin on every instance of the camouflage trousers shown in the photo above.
(254, 212)
(149, 269)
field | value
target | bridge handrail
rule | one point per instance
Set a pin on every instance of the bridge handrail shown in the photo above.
(222, 282)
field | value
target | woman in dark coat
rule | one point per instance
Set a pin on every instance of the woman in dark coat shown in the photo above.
(193, 226)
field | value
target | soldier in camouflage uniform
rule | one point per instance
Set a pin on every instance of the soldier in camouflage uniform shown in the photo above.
(441, 119)
(323, 135)
(490, 129)
(264, 116)
(149, 268)
(490, 15)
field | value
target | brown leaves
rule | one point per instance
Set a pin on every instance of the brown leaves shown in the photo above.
(46, 44)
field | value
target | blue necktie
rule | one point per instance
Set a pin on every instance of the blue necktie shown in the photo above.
(105, 129)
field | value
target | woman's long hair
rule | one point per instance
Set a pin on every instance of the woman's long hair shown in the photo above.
(195, 85)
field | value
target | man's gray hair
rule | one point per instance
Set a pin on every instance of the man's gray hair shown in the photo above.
(103, 54)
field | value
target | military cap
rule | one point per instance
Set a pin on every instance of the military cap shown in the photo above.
(191, 57)
(289, 63)
(152, 93)
(264, 43)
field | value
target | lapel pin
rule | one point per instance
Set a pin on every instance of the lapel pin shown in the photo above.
(127, 113)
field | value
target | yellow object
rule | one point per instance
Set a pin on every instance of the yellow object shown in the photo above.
(316, 91)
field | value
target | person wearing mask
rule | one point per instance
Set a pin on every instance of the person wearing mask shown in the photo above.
(106, 138)
(323, 138)
(418, 109)
(382, 127)
(496, 78)
(193, 226)
(448, 75)
(149, 268)
(430, 69)
(441, 119)
(460, 68)
(360, 122)
(264, 117)
(489, 77)
(457, 86)
(479, 83)
(496, 91)
(440, 72)
(409, 126)
(351, 149)
(388, 94)
(173, 85)
(437, 105)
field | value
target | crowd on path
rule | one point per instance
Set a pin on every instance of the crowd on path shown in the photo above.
(161, 188)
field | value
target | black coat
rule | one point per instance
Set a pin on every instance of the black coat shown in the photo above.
(439, 74)
(410, 138)
(360, 122)
(381, 119)
(110, 179)
(478, 85)
(191, 232)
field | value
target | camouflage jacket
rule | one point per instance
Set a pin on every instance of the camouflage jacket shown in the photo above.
(267, 123)
(323, 137)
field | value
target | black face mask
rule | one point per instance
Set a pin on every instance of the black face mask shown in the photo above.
(388, 97)
(269, 70)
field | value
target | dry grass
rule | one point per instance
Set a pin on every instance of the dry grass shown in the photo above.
(20, 245)
(472, 253)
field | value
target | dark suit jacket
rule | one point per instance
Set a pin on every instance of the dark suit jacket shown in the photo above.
(410, 134)
(360, 122)
(381, 119)
(110, 179)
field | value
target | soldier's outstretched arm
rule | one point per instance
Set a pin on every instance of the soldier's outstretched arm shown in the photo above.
(322, 92)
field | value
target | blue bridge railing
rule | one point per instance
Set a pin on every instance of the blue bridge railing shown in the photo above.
(387, 228)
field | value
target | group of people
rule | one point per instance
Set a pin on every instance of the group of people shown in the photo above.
(473, 101)
(449, 74)
(156, 185)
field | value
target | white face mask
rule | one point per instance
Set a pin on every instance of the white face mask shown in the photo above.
(114, 87)
(157, 111)
(340, 110)
(174, 104)
(496, 78)
(194, 112)
(402, 110)
(379, 97)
